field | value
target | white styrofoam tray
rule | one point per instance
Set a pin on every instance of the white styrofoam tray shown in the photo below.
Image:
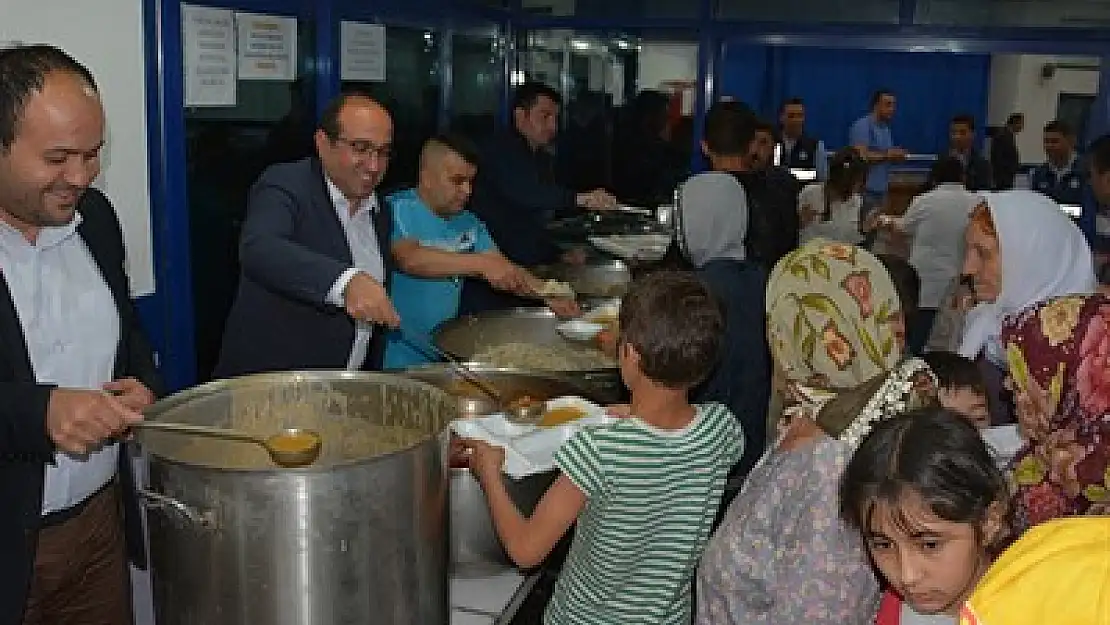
(530, 449)
(646, 247)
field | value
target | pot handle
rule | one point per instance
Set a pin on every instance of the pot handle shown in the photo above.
(151, 499)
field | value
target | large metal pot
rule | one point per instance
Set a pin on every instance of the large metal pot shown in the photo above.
(475, 547)
(468, 336)
(358, 537)
(599, 280)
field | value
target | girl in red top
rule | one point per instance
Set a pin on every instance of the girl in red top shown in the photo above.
(932, 507)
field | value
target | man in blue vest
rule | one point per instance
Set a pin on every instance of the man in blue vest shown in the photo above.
(1060, 177)
(799, 151)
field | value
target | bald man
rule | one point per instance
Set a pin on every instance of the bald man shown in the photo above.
(436, 243)
(314, 268)
(75, 369)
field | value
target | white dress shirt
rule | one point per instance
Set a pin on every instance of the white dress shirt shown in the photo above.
(936, 220)
(362, 239)
(71, 327)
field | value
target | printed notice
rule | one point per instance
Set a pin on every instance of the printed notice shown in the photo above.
(363, 52)
(267, 47)
(209, 47)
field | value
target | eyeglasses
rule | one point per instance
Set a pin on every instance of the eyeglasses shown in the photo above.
(362, 148)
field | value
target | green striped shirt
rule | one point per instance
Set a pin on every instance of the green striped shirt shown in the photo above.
(651, 497)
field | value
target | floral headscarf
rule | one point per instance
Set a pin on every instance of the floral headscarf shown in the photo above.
(1061, 348)
(829, 313)
(1058, 572)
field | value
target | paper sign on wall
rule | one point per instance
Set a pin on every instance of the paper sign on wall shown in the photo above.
(362, 48)
(208, 37)
(267, 47)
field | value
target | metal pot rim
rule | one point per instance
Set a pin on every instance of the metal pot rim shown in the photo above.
(209, 389)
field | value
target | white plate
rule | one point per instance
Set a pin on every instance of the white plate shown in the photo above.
(579, 329)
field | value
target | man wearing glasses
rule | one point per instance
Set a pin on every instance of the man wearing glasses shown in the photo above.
(312, 287)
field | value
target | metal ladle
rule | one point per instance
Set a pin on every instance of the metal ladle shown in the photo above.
(526, 412)
(292, 447)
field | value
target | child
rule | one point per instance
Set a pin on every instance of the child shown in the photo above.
(925, 493)
(644, 490)
(962, 389)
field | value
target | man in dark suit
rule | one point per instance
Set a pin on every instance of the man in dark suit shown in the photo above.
(314, 254)
(961, 145)
(75, 369)
(800, 151)
(1005, 159)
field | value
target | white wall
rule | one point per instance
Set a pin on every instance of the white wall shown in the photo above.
(659, 62)
(107, 36)
(1016, 86)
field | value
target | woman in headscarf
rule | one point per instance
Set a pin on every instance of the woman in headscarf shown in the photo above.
(712, 228)
(1059, 362)
(1020, 248)
(782, 554)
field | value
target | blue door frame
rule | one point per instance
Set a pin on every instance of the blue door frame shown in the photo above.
(169, 312)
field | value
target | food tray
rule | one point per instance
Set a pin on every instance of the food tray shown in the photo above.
(638, 247)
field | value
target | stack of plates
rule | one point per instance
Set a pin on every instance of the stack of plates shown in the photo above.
(638, 247)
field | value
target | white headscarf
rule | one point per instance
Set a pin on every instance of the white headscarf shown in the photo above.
(714, 218)
(1043, 254)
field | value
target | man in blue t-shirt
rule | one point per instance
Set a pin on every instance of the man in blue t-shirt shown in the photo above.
(870, 136)
(436, 244)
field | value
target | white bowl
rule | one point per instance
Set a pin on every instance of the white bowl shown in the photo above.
(579, 329)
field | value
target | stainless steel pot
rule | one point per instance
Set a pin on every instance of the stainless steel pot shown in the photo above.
(359, 537)
(475, 548)
(593, 280)
(468, 336)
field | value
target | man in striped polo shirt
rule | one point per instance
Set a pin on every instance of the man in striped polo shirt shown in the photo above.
(643, 490)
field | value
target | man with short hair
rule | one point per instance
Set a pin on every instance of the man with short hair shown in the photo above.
(75, 368)
(516, 194)
(1099, 158)
(1005, 159)
(870, 136)
(1060, 177)
(961, 145)
(436, 243)
(799, 150)
(312, 289)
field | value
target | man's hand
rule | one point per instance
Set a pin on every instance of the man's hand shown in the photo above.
(485, 460)
(131, 393)
(78, 420)
(366, 300)
(564, 307)
(598, 199)
(503, 275)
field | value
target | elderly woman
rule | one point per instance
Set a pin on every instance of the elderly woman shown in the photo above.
(782, 554)
(1059, 362)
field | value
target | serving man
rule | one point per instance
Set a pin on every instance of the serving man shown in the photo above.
(75, 369)
(1060, 177)
(799, 150)
(961, 145)
(870, 136)
(436, 243)
(313, 281)
(516, 193)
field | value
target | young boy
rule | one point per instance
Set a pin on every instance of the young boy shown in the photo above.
(961, 386)
(643, 490)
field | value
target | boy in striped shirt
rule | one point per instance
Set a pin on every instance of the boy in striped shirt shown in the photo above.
(643, 490)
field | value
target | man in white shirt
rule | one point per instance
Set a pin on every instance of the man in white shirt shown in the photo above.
(936, 220)
(71, 355)
(314, 254)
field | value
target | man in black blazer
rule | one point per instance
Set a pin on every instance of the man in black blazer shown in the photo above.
(961, 144)
(75, 369)
(315, 254)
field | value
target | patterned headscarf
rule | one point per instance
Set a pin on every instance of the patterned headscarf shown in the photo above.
(1063, 346)
(1056, 573)
(829, 313)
